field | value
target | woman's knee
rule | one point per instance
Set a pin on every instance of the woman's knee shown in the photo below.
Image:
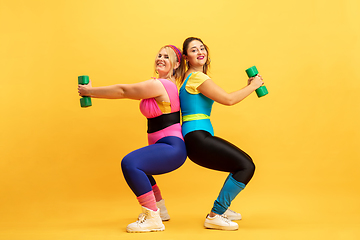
(252, 167)
(248, 164)
(127, 163)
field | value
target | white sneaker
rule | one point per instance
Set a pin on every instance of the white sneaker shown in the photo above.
(163, 211)
(149, 221)
(232, 215)
(220, 222)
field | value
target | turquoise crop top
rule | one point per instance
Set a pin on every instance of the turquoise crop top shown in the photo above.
(195, 109)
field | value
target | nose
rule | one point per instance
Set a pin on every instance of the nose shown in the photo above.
(201, 52)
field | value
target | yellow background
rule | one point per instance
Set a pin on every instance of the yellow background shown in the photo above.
(59, 164)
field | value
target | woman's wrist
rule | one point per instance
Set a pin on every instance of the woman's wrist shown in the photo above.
(90, 92)
(251, 87)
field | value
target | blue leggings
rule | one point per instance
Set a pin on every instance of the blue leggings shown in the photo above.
(166, 155)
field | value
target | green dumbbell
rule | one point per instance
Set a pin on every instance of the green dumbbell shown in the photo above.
(84, 101)
(252, 72)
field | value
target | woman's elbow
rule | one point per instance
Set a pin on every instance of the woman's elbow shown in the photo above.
(228, 101)
(120, 92)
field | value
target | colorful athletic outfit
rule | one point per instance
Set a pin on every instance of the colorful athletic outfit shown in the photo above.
(206, 150)
(166, 151)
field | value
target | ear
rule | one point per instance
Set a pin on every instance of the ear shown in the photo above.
(176, 65)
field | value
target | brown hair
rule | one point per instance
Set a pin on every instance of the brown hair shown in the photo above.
(186, 43)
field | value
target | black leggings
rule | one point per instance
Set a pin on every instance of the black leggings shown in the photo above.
(218, 154)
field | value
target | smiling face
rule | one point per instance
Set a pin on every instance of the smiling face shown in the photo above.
(196, 54)
(162, 63)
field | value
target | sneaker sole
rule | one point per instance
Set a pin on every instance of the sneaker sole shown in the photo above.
(234, 218)
(146, 230)
(213, 226)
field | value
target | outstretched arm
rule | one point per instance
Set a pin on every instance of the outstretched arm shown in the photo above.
(216, 93)
(142, 90)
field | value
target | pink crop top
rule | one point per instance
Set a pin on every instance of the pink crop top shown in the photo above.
(150, 109)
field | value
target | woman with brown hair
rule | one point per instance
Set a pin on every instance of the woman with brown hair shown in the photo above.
(197, 96)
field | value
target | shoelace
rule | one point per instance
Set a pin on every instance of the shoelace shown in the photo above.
(231, 211)
(225, 218)
(142, 218)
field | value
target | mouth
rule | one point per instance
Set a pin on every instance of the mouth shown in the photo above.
(160, 64)
(201, 57)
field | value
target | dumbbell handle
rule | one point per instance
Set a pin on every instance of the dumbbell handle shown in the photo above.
(84, 101)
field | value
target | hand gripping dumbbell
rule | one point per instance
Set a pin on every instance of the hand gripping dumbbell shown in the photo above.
(252, 72)
(84, 101)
